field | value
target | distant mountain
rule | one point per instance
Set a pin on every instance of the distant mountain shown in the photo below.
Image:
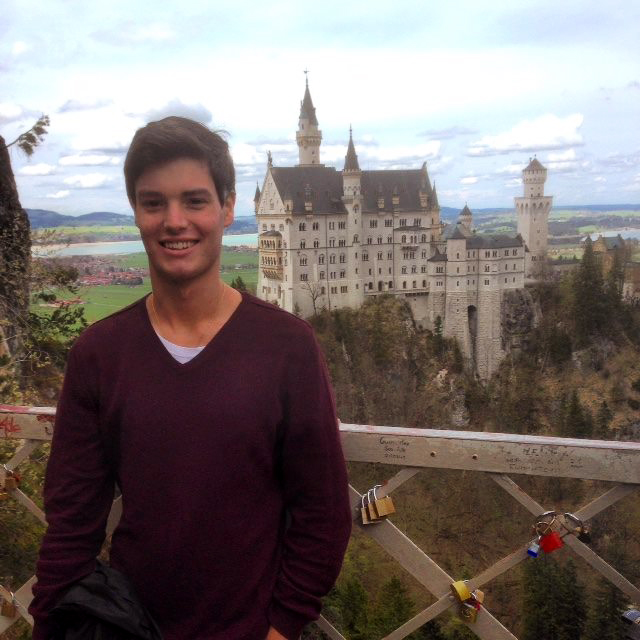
(41, 219)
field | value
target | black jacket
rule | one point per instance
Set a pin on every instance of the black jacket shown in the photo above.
(102, 606)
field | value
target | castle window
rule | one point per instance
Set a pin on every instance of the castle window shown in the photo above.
(373, 224)
(404, 239)
(379, 255)
(390, 284)
(264, 227)
(303, 244)
(342, 242)
(487, 267)
(355, 239)
(370, 286)
(316, 244)
(322, 275)
(356, 208)
(281, 227)
(315, 226)
(423, 237)
(505, 281)
(342, 274)
(506, 252)
(457, 283)
(514, 266)
(414, 284)
(416, 222)
(332, 258)
(304, 277)
(388, 222)
(424, 284)
(303, 261)
(302, 227)
(457, 269)
(404, 269)
(515, 252)
(486, 282)
(389, 255)
(342, 225)
(495, 254)
(423, 269)
(379, 240)
(487, 254)
(404, 285)
(321, 258)
(439, 269)
(332, 242)
(343, 289)
(322, 291)
(369, 240)
(343, 258)
(365, 257)
(389, 239)
(370, 272)
(403, 222)
(414, 269)
(332, 225)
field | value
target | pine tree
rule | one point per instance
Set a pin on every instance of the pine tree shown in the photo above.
(570, 606)
(603, 420)
(604, 621)
(578, 422)
(353, 602)
(239, 284)
(589, 303)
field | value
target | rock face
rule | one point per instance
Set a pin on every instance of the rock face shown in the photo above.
(15, 255)
(520, 314)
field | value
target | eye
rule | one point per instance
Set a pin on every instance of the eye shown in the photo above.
(197, 202)
(151, 204)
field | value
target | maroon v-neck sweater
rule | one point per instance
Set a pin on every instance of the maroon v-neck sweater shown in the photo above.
(235, 505)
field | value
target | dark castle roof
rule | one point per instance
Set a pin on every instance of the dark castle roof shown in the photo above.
(534, 165)
(351, 159)
(307, 110)
(327, 189)
(494, 241)
(438, 257)
(325, 184)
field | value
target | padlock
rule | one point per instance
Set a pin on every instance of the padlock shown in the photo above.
(460, 590)
(478, 596)
(371, 507)
(534, 548)
(551, 542)
(364, 512)
(8, 609)
(384, 505)
(468, 612)
(585, 535)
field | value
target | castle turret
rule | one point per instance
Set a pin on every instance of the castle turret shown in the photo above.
(308, 135)
(256, 198)
(351, 173)
(466, 218)
(532, 211)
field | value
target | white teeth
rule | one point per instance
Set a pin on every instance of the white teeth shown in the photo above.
(178, 245)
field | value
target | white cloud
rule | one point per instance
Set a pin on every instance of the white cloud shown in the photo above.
(135, 34)
(562, 156)
(546, 132)
(10, 112)
(599, 179)
(19, 48)
(511, 169)
(84, 105)
(89, 160)
(469, 180)
(88, 180)
(40, 169)
(58, 194)
(513, 182)
(176, 107)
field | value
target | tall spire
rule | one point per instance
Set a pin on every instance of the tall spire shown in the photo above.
(351, 159)
(308, 135)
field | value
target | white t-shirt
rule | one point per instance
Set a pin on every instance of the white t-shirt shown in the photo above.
(181, 354)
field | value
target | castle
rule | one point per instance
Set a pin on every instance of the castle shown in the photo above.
(330, 239)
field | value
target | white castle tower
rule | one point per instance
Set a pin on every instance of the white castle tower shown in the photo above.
(532, 211)
(308, 135)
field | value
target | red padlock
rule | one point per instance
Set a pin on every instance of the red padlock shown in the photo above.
(551, 542)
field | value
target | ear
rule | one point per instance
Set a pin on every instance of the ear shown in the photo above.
(229, 209)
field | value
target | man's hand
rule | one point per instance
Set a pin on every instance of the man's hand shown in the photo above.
(274, 635)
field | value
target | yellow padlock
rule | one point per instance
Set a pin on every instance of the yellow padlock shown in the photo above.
(364, 512)
(468, 612)
(384, 505)
(8, 609)
(460, 590)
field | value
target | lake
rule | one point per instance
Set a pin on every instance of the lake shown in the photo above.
(126, 246)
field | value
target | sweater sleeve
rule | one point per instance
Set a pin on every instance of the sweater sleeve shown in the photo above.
(315, 489)
(78, 493)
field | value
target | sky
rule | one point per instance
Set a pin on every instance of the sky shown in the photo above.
(475, 89)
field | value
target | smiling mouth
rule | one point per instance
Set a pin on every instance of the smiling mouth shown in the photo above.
(176, 245)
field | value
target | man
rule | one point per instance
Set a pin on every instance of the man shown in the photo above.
(212, 412)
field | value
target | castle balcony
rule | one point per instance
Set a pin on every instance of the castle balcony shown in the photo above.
(396, 457)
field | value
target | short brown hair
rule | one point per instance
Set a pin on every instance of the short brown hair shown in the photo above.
(163, 141)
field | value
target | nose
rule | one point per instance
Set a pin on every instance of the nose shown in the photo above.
(175, 218)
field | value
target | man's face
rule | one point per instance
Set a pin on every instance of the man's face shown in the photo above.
(181, 220)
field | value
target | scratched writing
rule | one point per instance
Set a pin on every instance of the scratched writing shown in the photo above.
(544, 459)
(8, 426)
(394, 448)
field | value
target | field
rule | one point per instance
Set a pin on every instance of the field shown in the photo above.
(100, 301)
